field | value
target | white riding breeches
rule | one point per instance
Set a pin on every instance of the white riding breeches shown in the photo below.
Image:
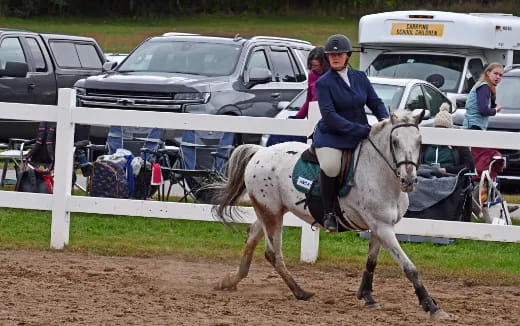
(330, 160)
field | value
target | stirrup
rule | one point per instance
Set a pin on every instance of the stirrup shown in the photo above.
(330, 222)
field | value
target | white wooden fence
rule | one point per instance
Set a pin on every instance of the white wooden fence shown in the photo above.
(62, 203)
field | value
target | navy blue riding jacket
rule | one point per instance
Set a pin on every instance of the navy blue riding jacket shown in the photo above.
(343, 121)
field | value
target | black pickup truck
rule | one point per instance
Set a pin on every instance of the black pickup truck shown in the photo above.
(34, 66)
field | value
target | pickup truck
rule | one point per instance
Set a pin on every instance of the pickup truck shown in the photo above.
(33, 66)
(180, 72)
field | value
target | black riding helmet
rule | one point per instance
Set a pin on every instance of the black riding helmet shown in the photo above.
(338, 43)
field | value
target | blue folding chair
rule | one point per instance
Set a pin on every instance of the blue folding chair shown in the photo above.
(201, 159)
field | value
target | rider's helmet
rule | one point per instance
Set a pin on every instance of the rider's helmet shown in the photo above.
(338, 43)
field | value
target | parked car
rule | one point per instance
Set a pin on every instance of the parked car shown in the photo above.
(202, 74)
(410, 94)
(33, 66)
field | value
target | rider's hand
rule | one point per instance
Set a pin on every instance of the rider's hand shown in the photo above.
(498, 108)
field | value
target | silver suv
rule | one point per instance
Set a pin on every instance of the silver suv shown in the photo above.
(203, 74)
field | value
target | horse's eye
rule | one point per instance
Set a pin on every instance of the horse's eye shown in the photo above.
(395, 143)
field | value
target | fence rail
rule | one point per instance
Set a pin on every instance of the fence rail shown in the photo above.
(62, 203)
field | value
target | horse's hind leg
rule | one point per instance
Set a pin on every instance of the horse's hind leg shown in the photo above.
(255, 233)
(387, 237)
(365, 289)
(273, 253)
(273, 250)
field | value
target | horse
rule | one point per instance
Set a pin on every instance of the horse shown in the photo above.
(387, 170)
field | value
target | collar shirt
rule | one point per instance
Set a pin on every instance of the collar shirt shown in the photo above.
(344, 74)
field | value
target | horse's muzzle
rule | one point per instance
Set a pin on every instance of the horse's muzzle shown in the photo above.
(408, 179)
(407, 184)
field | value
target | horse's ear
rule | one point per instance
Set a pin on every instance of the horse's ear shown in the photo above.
(420, 117)
(393, 117)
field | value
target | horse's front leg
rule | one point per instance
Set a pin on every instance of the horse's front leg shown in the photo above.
(365, 289)
(389, 241)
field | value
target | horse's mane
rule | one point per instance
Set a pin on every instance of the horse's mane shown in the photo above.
(396, 117)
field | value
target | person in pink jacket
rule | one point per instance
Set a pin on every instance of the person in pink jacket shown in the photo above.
(318, 65)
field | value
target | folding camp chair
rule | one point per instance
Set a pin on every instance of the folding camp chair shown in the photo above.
(201, 160)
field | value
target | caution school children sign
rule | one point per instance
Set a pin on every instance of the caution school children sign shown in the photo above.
(435, 30)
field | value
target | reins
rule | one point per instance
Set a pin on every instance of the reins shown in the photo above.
(397, 164)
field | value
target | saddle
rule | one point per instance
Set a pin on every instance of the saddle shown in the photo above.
(306, 179)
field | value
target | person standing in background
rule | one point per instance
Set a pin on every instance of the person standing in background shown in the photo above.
(318, 65)
(480, 104)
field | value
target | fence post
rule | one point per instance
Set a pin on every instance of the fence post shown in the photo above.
(310, 241)
(63, 168)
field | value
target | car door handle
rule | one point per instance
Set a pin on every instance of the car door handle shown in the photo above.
(275, 95)
(31, 86)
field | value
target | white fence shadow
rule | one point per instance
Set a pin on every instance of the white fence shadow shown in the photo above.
(62, 203)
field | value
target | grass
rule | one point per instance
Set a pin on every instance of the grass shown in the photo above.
(482, 262)
(122, 35)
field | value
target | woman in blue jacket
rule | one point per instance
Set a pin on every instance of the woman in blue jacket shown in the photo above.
(480, 104)
(342, 95)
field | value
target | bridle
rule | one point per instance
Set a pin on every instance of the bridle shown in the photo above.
(396, 164)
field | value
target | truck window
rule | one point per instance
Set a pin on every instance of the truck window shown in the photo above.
(516, 56)
(11, 50)
(447, 69)
(258, 60)
(65, 54)
(198, 58)
(285, 65)
(303, 54)
(37, 54)
(416, 99)
(75, 55)
(88, 56)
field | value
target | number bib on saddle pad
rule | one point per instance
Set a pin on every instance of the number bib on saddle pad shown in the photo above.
(306, 173)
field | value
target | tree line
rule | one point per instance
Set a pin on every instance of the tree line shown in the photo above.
(153, 8)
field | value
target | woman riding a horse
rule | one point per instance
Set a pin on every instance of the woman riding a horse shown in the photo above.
(377, 200)
(342, 95)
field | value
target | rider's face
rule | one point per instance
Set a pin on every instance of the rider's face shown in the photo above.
(338, 61)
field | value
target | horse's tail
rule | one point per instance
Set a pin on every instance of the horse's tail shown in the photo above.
(227, 194)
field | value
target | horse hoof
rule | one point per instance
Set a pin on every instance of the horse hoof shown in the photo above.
(439, 314)
(220, 286)
(304, 295)
(374, 305)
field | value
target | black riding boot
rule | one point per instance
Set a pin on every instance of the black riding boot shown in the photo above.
(329, 192)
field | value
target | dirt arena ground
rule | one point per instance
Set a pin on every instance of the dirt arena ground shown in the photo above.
(54, 288)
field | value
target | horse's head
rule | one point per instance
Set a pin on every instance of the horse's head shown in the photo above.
(404, 146)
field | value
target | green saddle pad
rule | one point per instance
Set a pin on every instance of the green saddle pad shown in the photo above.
(305, 177)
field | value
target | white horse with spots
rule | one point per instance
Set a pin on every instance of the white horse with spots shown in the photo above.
(386, 170)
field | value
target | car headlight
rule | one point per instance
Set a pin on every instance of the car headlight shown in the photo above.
(192, 97)
(80, 91)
